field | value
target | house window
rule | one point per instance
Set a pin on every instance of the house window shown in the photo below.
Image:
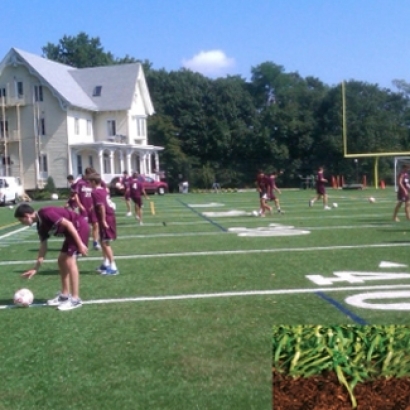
(3, 92)
(141, 127)
(97, 91)
(90, 161)
(41, 126)
(76, 126)
(89, 127)
(38, 93)
(43, 166)
(79, 165)
(4, 128)
(19, 89)
(111, 129)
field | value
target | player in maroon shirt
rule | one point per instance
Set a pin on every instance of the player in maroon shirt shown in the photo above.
(321, 181)
(136, 187)
(107, 224)
(403, 183)
(57, 221)
(262, 186)
(124, 181)
(84, 201)
(272, 188)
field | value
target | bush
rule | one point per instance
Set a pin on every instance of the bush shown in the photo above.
(50, 185)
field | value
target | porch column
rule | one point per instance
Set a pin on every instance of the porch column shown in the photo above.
(148, 162)
(101, 160)
(142, 163)
(121, 161)
(156, 159)
(128, 158)
(112, 169)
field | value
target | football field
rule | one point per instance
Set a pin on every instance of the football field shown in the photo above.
(188, 322)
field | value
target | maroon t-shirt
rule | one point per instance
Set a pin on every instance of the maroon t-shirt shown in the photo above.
(49, 223)
(136, 187)
(100, 199)
(83, 190)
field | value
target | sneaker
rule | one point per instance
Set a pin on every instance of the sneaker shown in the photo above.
(110, 272)
(101, 269)
(280, 211)
(128, 214)
(310, 203)
(70, 304)
(96, 246)
(327, 208)
(141, 223)
(58, 300)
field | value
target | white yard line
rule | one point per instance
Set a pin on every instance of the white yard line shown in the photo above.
(231, 252)
(233, 294)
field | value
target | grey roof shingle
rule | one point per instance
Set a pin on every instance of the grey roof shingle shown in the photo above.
(76, 86)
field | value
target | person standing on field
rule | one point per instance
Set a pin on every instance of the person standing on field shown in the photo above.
(136, 187)
(403, 182)
(272, 189)
(262, 185)
(84, 202)
(124, 181)
(106, 223)
(321, 182)
(58, 221)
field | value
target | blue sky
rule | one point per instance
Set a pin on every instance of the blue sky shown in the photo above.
(333, 40)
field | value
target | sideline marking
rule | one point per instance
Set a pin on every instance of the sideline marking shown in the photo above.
(342, 308)
(9, 225)
(230, 294)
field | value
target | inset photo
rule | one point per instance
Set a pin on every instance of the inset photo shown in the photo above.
(343, 367)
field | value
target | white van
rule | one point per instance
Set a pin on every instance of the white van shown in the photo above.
(10, 190)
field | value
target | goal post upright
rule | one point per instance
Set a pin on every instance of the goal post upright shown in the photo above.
(375, 155)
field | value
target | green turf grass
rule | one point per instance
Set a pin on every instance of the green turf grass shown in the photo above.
(193, 353)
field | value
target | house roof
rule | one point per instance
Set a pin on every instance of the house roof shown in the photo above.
(76, 86)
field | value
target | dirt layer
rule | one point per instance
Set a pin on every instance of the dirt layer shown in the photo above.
(324, 392)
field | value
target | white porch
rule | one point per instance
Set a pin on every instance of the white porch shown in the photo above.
(110, 159)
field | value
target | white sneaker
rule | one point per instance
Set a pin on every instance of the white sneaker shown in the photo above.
(310, 203)
(58, 300)
(128, 214)
(327, 208)
(70, 304)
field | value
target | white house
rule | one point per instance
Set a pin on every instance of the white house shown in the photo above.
(56, 120)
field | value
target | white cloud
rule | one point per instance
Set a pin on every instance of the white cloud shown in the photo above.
(212, 63)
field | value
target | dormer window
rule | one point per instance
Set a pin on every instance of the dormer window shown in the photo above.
(97, 91)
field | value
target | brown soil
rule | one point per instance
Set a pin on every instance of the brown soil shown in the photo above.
(324, 392)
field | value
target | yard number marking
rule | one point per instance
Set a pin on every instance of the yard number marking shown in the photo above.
(356, 277)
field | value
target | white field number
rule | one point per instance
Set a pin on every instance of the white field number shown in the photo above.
(356, 277)
(369, 300)
(362, 300)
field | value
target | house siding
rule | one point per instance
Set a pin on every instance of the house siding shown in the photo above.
(61, 144)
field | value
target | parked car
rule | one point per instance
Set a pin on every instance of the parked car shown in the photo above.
(150, 185)
(10, 190)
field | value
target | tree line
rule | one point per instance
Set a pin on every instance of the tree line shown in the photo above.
(225, 129)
